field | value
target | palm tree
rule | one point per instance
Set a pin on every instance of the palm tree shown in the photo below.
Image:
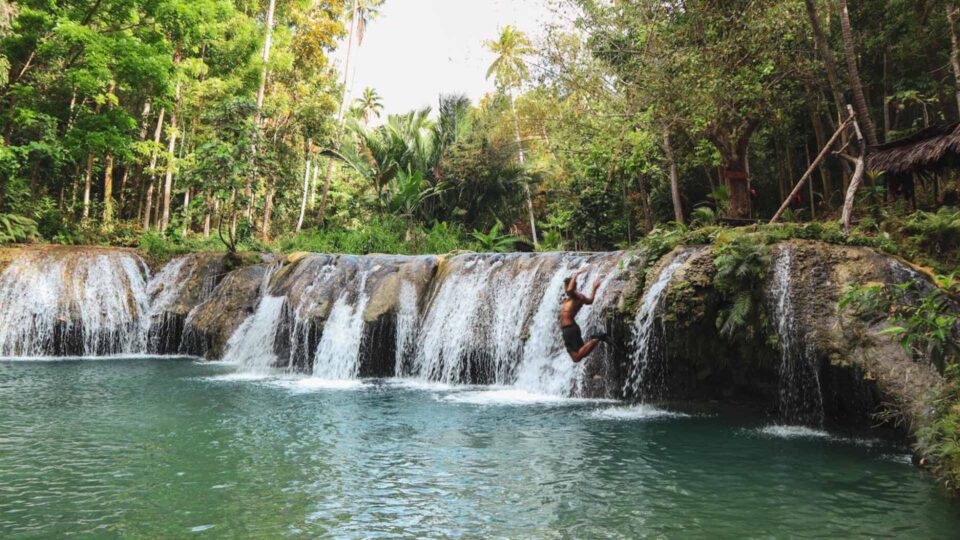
(510, 71)
(361, 12)
(859, 101)
(367, 105)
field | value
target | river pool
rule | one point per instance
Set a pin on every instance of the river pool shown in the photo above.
(168, 448)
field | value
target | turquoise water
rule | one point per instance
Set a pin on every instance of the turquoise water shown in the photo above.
(174, 448)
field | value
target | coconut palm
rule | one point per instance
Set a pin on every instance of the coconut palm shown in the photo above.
(367, 105)
(509, 71)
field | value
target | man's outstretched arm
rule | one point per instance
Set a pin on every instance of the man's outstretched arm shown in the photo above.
(589, 299)
(571, 288)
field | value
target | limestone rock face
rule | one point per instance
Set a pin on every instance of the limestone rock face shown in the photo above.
(210, 325)
(178, 287)
(858, 370)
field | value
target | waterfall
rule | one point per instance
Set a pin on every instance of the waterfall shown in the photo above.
(545, 366)
(65, 302)
(406, 327)
(252, 345)
(646, 343)
(801, 399)
(338, 355)
(494, 319)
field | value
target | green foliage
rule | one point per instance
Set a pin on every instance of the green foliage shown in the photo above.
(923, 321)
(494, 241)
(703, 216)
(936, 231)
(388, 235)
(741, 265)
(14, 228)
(939, 441)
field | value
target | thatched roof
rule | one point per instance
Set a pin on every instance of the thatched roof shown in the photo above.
(930, 149)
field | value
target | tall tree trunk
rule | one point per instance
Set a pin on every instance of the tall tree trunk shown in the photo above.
(674, 176)
(306, 186)
(343, 100)
(108, 191)
(87, 179)
(186, 212)
(853, 72)
(148, 199)
(258, 117)
(954, 53)
(833, 78)
(267, 215)
(522, 157)
(645, 203)
(733, 147)
(171, 161)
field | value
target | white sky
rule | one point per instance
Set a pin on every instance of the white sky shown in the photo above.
(419, 49)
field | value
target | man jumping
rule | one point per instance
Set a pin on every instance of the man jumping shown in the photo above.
(572, 336)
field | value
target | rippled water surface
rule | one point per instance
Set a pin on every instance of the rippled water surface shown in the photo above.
(173, 448)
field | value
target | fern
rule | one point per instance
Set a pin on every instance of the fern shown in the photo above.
(16, 228)
(741, 266)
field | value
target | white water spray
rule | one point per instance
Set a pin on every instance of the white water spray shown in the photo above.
(645, 344)
(801, 399)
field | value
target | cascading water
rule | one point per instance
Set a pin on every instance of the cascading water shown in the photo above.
(252, 345)
(495, 319)
(801, 399)
(646, 343)
(406, 327)
(73, 303)
(338, 354)
(545, 365)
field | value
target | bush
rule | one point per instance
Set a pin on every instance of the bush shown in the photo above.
(938, 232)
(939, 441)
(16, 228)
(741, 267)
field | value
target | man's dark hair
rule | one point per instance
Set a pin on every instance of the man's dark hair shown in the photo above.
(566, 281)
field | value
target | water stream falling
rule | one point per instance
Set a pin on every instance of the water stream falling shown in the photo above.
(59, 302)
(801, 399)
(338, 354)
(473, 318)
(646, 343)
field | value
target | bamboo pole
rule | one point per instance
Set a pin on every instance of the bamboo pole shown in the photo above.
(811, 168)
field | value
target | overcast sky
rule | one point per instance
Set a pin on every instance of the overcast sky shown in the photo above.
(419, 49)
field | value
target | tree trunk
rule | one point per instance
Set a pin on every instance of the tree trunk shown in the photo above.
(186, 212)
(674, 177)
(645, 203)
(522, 158)
(306, 186)
(954, 53)
(171, 149)
(833, 78)
(87, 179)
(258, 116)
(108, 191)
(267, 214)
(343, 100)
(733, 147)
(853, 72)
(148, 199)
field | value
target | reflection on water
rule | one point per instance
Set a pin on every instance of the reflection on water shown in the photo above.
(168, 448)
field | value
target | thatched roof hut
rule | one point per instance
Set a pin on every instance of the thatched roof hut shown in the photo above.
(929, 150)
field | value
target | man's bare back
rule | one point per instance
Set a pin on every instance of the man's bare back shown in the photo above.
(572, 335)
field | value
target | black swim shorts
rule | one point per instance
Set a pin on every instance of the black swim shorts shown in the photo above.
(572, 337)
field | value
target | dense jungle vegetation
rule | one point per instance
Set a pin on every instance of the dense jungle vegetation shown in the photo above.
(183, 122)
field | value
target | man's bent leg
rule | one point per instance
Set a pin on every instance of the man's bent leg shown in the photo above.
(577, 356)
